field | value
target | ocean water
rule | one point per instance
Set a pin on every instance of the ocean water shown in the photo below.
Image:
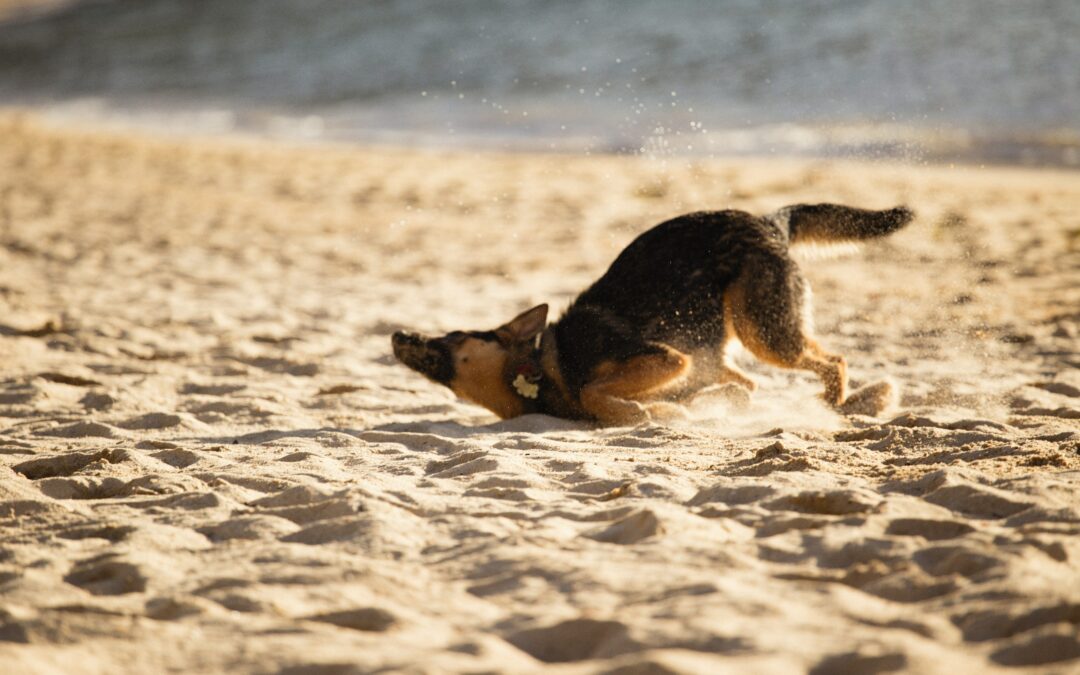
(971, 80)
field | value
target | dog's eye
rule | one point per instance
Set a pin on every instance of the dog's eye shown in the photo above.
(464, 359)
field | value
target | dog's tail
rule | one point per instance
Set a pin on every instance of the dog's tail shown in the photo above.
(833, 223)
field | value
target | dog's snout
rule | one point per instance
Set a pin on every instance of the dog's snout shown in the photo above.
(403, 344)
(403, 339)
(431, 357)
(406, 343)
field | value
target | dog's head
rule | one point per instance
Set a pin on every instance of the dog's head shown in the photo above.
(477, 365)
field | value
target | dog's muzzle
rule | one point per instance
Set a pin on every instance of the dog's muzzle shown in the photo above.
(431, 357)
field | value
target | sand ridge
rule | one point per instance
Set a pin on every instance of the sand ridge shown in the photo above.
(212, 463)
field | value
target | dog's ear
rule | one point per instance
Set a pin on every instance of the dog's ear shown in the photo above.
(525, 326)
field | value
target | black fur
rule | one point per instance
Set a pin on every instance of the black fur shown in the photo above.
(833, 222)
(431, 356)
(668, 285)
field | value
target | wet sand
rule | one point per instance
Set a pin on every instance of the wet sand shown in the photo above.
(212, 463)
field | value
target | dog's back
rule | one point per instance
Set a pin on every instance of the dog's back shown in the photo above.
(677, 282)
(668, 284)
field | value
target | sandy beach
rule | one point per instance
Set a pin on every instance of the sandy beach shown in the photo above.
(211, 461)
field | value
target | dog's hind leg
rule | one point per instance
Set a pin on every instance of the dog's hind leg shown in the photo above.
(729, 374)
(768, 307)
(831, 368)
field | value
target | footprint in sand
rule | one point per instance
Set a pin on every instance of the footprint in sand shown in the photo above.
(501, 487)
(860, 663)
(964, 560)
(282, 366)
(955, 490)
(71, 380)
(629, 530)
(367, 619)
(931, 530)
(462, 464)
(68, 463)
(110, 533)
(84, 429)
(732, 494)
(295, 495)
(177, 458)
(255, 527)
(304, 514)
(83, 487)
(827, 502)
(575, 640)
(215, 412)
(1005, 622)
(1052, 644)
(97, 401)
(107, 574)
(908, 586)
(174, 609)
(154, 420)
(978, 500)
(194, 389)
(19, 394)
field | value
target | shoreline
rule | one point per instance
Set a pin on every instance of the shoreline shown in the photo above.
(870, 143)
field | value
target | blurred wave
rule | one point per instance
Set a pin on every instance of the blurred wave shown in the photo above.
(988, 80)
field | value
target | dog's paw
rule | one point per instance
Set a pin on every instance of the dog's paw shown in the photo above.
(871, 400)
(616, 412)
(663, 411)
(730, 395)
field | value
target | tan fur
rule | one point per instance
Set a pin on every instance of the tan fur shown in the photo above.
(479, 366)
(737, 322)
(727, 372)
(831, 368)
(612, 394)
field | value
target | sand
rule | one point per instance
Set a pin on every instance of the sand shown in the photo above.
(211, 462)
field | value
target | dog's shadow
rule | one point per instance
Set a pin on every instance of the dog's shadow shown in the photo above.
(448, 429)
(869, 399)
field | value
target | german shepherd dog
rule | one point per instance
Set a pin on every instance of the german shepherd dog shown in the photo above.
(654, 327)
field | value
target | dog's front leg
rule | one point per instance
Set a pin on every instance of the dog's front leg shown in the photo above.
(610, 396)
(611, 410)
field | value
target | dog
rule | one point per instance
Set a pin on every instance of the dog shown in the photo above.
(653, 329)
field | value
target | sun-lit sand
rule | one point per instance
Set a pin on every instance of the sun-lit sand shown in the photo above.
(211, 461)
